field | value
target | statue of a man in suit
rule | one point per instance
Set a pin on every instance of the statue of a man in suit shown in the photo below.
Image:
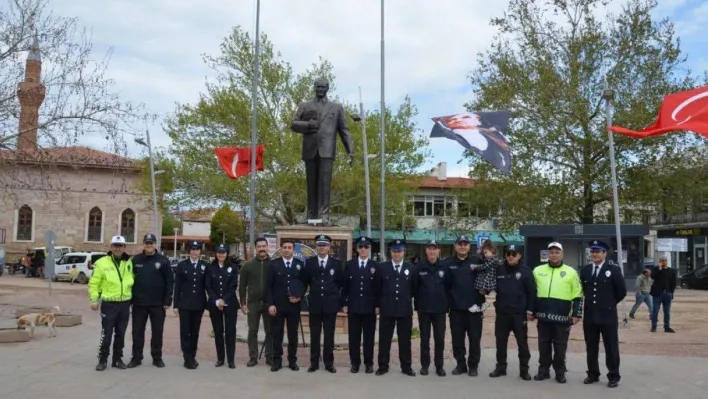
(319, 120)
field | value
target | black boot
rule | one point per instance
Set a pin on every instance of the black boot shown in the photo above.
(134, 363)
(118, 363)
(102, 365)
(459, 370)
(543, 374)
(498, 372)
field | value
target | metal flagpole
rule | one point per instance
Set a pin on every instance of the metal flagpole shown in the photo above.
(382, 152)
(254, 129)
(608, 95)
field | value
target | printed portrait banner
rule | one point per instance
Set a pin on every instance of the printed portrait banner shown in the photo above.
(483, 133)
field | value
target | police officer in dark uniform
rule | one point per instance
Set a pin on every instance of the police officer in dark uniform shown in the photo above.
(395, 287)
(323, 275)
(284, 291)
(604, 287)
(464, 322)
(221, 284)
(190, 302)
(359, 304)
(433, 281)
(516, 292)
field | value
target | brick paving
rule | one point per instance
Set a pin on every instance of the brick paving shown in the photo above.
(64, 365)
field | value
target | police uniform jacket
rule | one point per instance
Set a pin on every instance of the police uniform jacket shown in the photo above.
(461, 294)
(602, 293)
(516, 289)
(190, 291)
(395, 290)
(280, 278)
(221, 283)
(432, 286)
(324, 284)
(154, 280)
(358, 288)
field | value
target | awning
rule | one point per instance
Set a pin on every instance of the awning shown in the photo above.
(443, 237)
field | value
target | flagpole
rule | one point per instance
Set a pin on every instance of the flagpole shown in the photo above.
(608, 95)
(254, 129)
(382, 152)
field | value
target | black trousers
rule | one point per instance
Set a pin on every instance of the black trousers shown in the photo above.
(403, 326)
(190, 322)
(552, 345)
(318, 173)
(290, 317)
(438, 323)
(319, 322)
(358, 324)
(114, 324)
(224, 324)
(157, 326)
(505, 324)
(610, 339)
(465, 324)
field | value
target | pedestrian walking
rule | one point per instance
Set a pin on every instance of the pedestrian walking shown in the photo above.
(558, 308)
(516, 294)
(221, 282)
(252, 286)
(111, 284)
(323, 276)
(395, 288)
(604, 287)
(152, 295)
(465, 308)
(642, 287)
(190, 302)
(359, 300)
(662, 293)
(433, 282)
(284, 292)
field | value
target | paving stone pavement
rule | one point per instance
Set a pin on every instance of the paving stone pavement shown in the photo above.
(62, 367)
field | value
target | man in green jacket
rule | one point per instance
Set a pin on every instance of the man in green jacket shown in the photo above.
(112, 283)
(254, 274)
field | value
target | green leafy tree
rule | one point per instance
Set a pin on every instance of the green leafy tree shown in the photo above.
(226, 227)
(547, 66)
(222, 117)
(169, 224)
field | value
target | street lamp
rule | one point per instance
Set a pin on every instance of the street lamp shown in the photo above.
(176, 230)
(152, 181)
(362, 119)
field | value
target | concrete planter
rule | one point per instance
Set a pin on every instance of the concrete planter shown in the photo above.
(9, 335)
(23, 311)
(67, 320)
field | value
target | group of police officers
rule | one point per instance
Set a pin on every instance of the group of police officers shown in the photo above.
(390, 291)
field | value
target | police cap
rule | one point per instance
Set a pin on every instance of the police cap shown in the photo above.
(599, 246)
(363, 241)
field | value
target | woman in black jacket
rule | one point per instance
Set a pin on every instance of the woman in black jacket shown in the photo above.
(221, 284)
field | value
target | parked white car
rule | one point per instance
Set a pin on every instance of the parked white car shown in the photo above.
(58, 251)
(84, 263)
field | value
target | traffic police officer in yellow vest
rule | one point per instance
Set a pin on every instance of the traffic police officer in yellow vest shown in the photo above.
(112, 284)
(604, 287)
(558, 308)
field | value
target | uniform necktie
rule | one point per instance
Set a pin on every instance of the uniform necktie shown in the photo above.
(363, 264)
(322, 264)
(398, 269)
(287, 264)
(596, 271)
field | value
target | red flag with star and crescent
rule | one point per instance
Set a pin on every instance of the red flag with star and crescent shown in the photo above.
(682, 111)
(236, 161)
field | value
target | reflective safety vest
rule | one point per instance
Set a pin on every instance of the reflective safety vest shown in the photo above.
(112, 279)
(558, 293)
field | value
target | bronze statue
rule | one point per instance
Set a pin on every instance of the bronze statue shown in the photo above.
(319, 121)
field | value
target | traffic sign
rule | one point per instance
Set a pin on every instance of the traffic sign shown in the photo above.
(481, 238)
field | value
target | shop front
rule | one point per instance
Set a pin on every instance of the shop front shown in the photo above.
(697, 238)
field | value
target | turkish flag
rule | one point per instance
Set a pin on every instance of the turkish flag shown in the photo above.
(685, 110)
(236, 161)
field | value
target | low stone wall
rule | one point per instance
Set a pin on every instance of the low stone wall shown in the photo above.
(9, 335)
(67, 320)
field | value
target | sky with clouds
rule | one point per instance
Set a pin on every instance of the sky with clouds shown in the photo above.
(157, 47)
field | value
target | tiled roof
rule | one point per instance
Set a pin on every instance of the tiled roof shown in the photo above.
(449, 183)
(71, 156)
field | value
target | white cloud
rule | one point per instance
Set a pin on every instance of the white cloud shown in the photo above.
(430, 47)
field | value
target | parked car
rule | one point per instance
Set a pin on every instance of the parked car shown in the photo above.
(84, 263)
(59, 251)
(697, 279)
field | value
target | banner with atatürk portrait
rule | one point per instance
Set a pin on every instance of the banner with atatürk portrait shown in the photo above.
(483, 133)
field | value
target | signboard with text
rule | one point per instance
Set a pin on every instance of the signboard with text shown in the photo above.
(672, 244)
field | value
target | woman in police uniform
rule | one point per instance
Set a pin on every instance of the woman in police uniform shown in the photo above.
(221, 282)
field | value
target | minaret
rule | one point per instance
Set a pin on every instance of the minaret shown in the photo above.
(31, 93)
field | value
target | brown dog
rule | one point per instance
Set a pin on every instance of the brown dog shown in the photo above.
(39, 319)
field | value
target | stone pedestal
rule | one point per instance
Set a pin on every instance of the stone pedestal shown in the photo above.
(9, 335)
(342, 238)
(67, 320)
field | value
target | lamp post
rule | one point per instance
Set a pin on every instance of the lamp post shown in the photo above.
(361, 118)
(382, 136)
(176, 229)
(152, 182)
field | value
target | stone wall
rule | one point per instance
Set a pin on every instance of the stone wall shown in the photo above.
(61, 199)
